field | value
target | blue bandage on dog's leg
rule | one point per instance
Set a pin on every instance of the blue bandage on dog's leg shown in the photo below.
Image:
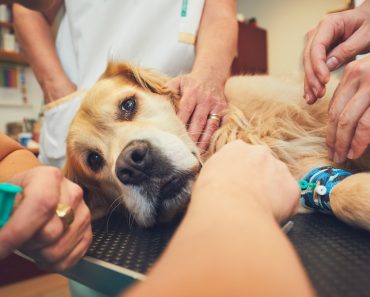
(317, 185)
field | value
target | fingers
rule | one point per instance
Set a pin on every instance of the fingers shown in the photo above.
(50, 233)
(198, 101)
(347, 50)
(327, 33)
(289, 206)
(78, 252)
(211, 126)
(199, 121)
(277, 192)
(315, 68)
(70, 259)
(361, 138)
(335, 41)
(348, 113)
(63, 251)
(38, 207)
(349, 122)
(337, 120)
(67, 244)
(53, 230)
(203, 125)
(188, 98)
(70, 194)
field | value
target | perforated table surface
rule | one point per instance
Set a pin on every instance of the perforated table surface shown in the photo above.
(336, 256)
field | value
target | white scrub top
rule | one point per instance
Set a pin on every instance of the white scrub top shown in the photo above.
(143, 32)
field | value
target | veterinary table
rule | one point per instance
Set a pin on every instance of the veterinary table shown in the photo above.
(336, 256)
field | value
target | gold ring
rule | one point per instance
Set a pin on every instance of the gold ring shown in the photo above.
(65, 213)
(214, 116)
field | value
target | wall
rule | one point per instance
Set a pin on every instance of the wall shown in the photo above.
(16, 113)
(287, 22)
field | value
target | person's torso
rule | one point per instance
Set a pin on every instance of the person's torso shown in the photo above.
(138, 31)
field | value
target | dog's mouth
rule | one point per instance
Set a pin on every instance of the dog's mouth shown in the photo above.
(174, 186)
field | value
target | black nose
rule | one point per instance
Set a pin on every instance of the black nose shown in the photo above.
(133, 161)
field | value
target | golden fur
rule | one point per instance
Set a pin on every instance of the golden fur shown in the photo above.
(262, 110)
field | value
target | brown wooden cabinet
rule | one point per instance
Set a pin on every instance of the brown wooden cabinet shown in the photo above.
(252, 50)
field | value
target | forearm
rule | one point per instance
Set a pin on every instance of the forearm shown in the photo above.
(40, 5)
(30, 26)
(226, 248)
(14, 158)
(217, 39)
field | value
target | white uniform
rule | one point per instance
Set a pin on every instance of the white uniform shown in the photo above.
(92, 32)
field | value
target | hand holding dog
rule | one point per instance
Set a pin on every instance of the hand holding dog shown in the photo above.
(336, 40)
(201, 96)
(249, 175)
(349, 113)
(34, 227)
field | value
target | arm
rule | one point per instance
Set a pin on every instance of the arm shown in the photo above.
(202, 90)
(229, 243)
(41, 5)
(10, 153)
(214, 54)
(36, 38)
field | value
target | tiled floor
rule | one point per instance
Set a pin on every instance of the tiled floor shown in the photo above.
(50, 285)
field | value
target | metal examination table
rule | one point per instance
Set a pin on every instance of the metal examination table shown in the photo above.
(336, 256)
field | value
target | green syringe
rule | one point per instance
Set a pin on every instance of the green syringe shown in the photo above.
(7, 195)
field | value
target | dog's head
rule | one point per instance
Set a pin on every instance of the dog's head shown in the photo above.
(126, 144)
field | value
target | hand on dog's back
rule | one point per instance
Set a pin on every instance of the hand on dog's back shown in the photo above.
(251, 174)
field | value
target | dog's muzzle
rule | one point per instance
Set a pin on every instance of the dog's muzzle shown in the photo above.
(134, 163)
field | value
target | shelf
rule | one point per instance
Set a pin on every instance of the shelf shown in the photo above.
(6, 24)
(13, 57)
(18, 104)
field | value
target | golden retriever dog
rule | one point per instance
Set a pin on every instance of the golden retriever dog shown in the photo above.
(126, 145)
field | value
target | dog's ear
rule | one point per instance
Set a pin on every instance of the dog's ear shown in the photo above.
(69, 172)
(147, 79)
(92, 198)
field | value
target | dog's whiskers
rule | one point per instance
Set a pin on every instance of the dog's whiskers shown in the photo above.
(112, 208)
(131, 219)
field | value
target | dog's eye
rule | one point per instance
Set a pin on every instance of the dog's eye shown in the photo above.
(129, 105)
(95, 161)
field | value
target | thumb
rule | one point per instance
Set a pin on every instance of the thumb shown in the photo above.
(174, 85)
(347, 51)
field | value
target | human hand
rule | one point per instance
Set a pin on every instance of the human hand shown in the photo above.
(349, 113)
(336, 40)
(252, 173)
(34, 227)
(201, 96)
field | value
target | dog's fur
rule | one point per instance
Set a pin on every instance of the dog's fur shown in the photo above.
(149, 161)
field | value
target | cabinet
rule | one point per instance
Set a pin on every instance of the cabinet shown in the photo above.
(252, 51)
